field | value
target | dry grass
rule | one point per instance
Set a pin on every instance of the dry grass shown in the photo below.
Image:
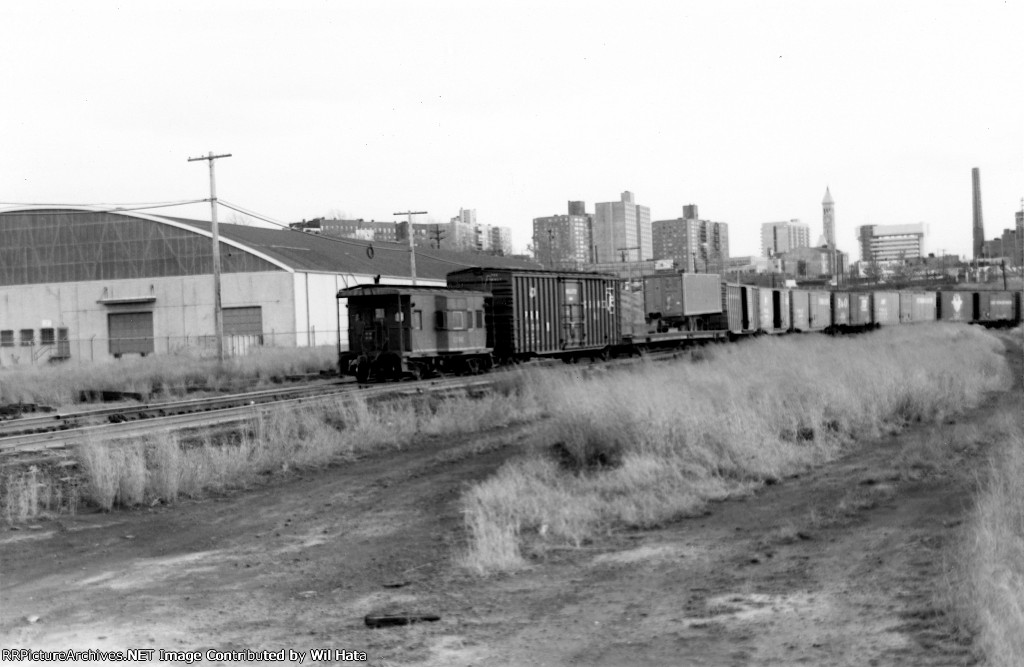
(164, 375)
(161, 468)
(28, 494)
(645, 445)
(988, 580)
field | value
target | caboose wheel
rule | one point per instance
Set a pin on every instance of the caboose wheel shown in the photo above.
(362, 370)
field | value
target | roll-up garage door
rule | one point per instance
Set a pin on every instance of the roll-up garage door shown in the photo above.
(130, 333)
(244, 321)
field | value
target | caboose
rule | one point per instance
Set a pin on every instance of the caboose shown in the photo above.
(401, 331)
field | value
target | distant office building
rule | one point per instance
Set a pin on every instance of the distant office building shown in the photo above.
(887, 243)
(692, 244)
(368, 230)
(622, 230)
(564, 241)
(690, 212)
(1005, 247)
(828, 219)
(780, 237)
(748, 264)
(813, 262)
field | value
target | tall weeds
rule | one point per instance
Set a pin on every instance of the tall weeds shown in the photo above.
(644, 445)
(162, 468)
(990, 587)
(162, 375)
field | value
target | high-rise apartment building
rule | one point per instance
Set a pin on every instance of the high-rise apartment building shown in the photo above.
(828, 219)
(887, 243)
(622, 230)
(780, 237)
(692, 244)
(564, 241)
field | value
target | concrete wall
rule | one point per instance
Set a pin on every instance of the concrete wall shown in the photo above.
(298, 309)
(319, 315)
(182, 310)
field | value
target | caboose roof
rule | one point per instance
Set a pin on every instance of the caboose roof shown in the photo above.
(404, 290)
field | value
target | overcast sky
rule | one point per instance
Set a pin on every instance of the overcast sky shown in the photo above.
(747, 109)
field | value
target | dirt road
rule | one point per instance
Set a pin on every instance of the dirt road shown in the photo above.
(843, 565)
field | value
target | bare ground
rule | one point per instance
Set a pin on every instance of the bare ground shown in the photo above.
(843, 565)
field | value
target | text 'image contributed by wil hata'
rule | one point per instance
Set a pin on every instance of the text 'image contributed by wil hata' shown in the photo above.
(189, 657)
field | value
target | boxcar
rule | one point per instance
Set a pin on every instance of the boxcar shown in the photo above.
(917, 307)
(774, 309)
(799, 310)
(885, 308)
(682, 300)
(533, 313)
(958, 306)
(840, 309)
(819, 310)
(997, 308)
(740, 305)
(860, 310)
(398, 331)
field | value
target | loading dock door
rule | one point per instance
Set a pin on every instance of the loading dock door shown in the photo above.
(130, 333)
(244, 321)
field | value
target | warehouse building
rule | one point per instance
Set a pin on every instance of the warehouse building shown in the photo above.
(92, 284)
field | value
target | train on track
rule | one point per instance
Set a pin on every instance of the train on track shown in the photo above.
(498, 316)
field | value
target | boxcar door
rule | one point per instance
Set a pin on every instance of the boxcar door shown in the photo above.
(572, 314)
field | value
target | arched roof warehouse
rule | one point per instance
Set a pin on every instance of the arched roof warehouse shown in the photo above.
(72, 244)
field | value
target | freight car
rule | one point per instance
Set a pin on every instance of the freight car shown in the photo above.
(562, 314)
(398, 332)
(490, 316)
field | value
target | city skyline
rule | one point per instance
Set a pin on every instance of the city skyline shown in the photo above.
(750, 110)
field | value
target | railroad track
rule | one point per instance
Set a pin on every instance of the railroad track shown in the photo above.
(54, 431)
(37, 434)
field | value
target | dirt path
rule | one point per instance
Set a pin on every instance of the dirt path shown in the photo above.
(842, 565)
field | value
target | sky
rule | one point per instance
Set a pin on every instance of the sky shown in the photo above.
(361, 109)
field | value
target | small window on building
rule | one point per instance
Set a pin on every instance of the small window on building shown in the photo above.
(28, 337)
(46, 337)
(417, 319)
(7, 338)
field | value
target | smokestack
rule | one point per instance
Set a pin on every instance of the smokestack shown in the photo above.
(979, 225)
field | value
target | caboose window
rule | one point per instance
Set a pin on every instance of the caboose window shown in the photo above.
(417, 319)
(378, 313)
(479, 319)
(456, 320)
(469, 319)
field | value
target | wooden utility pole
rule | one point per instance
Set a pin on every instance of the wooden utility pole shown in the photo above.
(412, 245)
(218, 315)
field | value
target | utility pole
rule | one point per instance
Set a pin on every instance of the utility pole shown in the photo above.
(218, 315)
(438, 236)
(412, 247)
